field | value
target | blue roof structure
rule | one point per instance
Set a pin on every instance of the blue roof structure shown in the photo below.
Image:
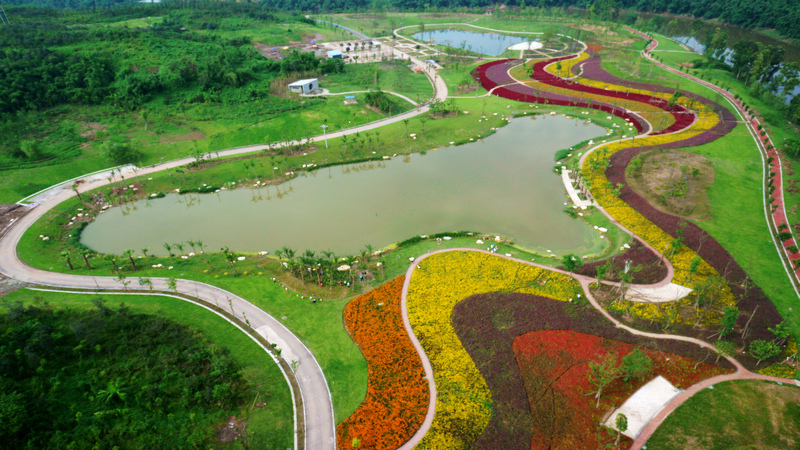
(334, 54)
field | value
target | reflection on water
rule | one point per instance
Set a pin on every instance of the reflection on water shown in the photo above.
(484, 43)
(504, 185)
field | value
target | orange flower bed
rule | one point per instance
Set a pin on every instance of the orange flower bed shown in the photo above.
(397, 392)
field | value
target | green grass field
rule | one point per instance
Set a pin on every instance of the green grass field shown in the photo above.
(734, 414)
(273, 425)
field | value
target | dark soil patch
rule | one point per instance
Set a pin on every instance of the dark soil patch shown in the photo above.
(231, 430)
(674, 181)
(645, 265)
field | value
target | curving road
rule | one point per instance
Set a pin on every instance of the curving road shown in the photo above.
(318, 415)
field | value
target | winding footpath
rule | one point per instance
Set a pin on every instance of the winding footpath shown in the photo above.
(741, 373)
(317, 406)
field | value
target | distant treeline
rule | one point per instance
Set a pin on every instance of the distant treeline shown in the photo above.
(781, 15)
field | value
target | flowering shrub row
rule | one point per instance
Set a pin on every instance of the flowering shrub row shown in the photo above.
(495, 73)
(397, 393)
(463, 404)
(683, 117)
(487, 324)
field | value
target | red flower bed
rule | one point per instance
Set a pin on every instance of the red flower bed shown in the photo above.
(487, 325)
(495, 73)
(683, 117)
(555, 366)
(397, 393)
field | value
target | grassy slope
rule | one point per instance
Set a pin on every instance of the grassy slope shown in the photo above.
(272, 426)
(724, 417)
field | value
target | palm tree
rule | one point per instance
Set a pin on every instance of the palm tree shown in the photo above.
(75, 188)
(65, 256)
(169, 248)
(422, 120)
(368, 249)
(129, 254)
(144, 251)
(178, 246)
(112, 391)
(405, 122)
(87, 253)
(230, 257)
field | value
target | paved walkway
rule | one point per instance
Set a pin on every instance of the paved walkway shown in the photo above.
(320, 429)
(327, 92)
(776, 209)
(572, 192)
(320, 426)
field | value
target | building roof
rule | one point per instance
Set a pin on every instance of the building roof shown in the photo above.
(334, 53)
(302, 82)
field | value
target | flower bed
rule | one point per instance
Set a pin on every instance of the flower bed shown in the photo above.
(650, 270)
(683, 117)
(495, 73)
(397, 393)
(463, 404)
(488, 324)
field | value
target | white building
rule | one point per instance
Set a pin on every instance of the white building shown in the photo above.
(304, 86)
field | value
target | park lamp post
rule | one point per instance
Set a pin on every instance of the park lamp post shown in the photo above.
(325, 135)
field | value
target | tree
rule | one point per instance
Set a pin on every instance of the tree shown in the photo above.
(144, 251)
(571, 262)
(31, 149)
(602, 373)
(87, 253)
(168, 248)
(66, 257)
(636, 364)
(129, 254)
(120, 152)
(729, 318)
(761, 350)
(405, 122)
(230, 257)
(622, 426)
(693, 266)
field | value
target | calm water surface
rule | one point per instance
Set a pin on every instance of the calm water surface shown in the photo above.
(503, 185)
(484, 43)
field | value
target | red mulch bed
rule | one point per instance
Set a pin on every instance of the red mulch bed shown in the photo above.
(487, 324)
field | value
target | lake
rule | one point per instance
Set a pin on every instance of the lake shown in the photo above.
(492, 44)
(503, 185)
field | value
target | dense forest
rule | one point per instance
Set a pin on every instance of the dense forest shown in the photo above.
(781, 15)
(107, 378)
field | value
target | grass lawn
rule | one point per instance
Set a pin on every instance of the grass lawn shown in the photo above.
(271, 426)
(738, 216)
(734, 414)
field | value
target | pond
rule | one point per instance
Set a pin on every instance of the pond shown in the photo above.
(485, 43)
(503, 185)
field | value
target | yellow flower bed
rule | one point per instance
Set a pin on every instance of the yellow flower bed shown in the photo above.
(649, 112)
(463, 403)
(652, 234)
(566, 65)
(779, 370)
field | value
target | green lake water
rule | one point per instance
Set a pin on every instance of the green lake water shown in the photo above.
(503, 185)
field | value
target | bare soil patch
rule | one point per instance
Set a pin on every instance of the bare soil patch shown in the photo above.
(673, 181)
(92, 128)
(198, 135)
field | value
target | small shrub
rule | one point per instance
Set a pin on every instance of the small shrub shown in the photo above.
(792, 249)
(561, 154)
(784, 236)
